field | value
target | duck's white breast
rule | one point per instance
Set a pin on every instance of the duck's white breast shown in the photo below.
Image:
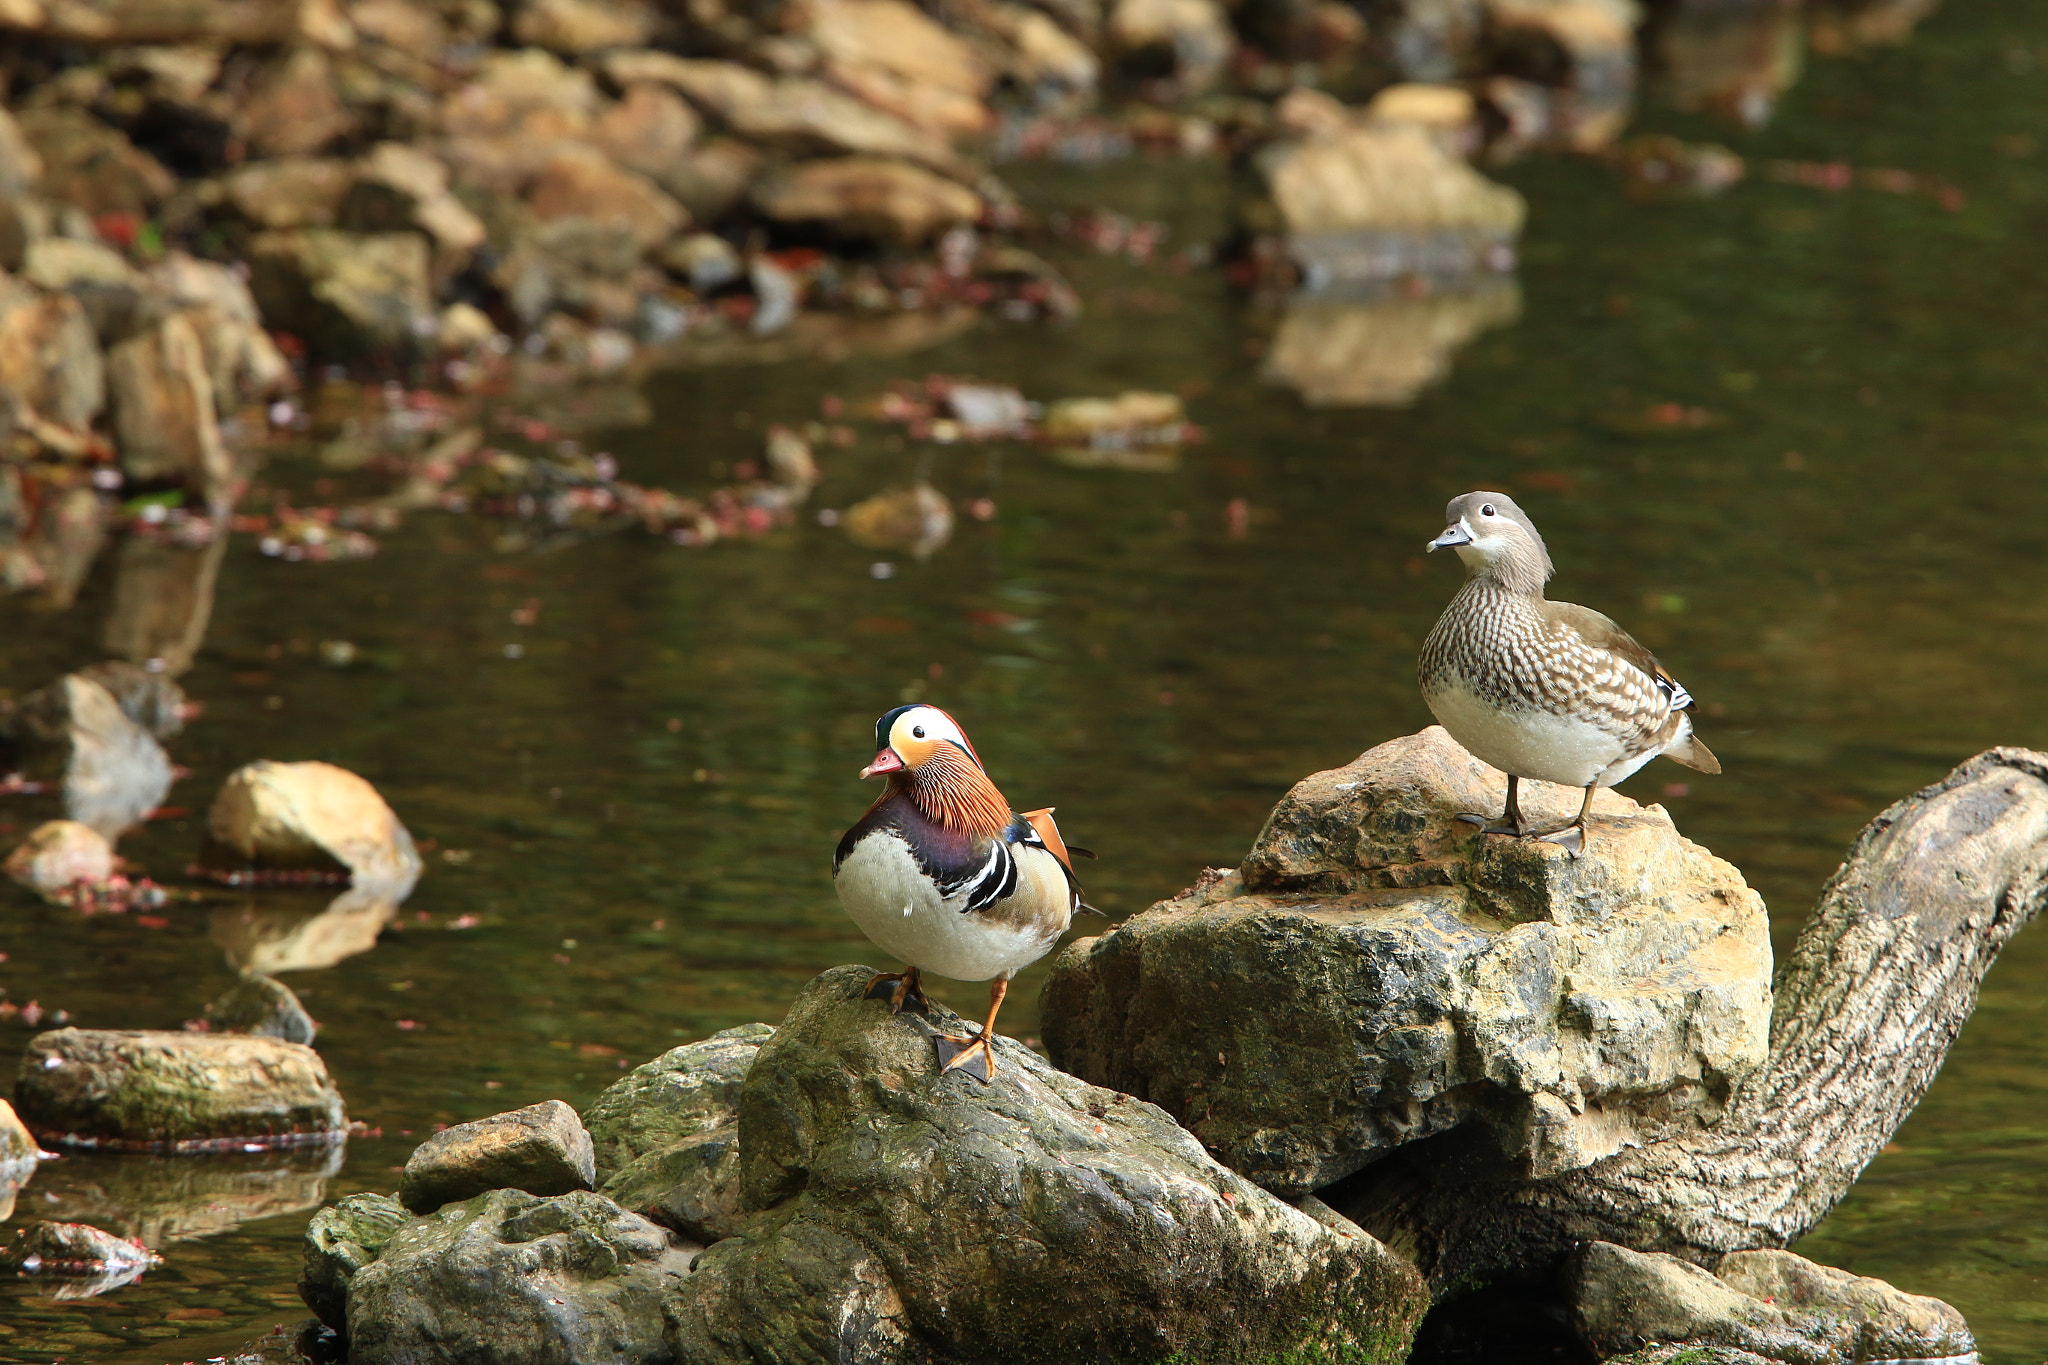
(1528, 742)
(899, 909)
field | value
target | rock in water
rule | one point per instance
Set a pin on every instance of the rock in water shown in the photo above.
(72, 1249)
(667, 1134)
(164, 418)
(541, 1149)
(114, 771)
(511, 1277)
(1769, 1303)
(345, 293)
(340, 1241)
(263, 1006)
(309, 815)
(17, 1144)
(173, 1089)
(1377, 973)
(899, 1215)
(59, 855)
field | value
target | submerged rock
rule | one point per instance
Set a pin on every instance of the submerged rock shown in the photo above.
(311, 816)
(667, 1134)
(512, 1277)
(340, 1241)
(58, 856)
(1552, 1010)
(1771, 1304)
(899, 1215)
(918, 519)
(153, 1088)
(262, 1006)
(541, 1149)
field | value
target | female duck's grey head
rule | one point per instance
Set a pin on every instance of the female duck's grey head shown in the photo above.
(1494, 536)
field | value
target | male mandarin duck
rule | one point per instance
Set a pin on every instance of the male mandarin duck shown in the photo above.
(941, 874)
(1540, 689)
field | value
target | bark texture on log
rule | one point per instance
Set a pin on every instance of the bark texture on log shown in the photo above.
(1866, 1008)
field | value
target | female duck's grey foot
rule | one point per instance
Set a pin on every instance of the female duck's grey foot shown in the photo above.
(1510, 821)
(1571, 836)
(899, 989)
(971, 1055)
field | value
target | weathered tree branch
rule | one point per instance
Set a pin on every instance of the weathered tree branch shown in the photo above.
(1866, 1007)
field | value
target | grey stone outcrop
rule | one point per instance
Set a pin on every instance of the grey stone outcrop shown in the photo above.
(1376, 974)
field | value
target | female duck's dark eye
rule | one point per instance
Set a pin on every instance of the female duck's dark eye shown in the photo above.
(1487, 510)
(917, 732)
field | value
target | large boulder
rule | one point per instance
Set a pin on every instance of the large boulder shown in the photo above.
(1377, 973)
(667, 1134)
(113, 772)
(902, 1215)
(345, 293)
(150, 1088)
(510, 1276)
(1771, 1304)
(309, 816)
(541, 1149)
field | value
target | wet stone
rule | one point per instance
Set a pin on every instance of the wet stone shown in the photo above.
(340, 1241)
(1771, 1304)
(542, 1149)
(262, 1006)
(514, 1278)
(151, 1088)
(309, 817)
(59, 855)
(113, 771)
(47, 1248)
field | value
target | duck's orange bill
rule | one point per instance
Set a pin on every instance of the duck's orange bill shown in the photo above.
(885, 762)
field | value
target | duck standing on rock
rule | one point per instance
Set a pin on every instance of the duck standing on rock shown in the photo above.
(942, 874)
(1541, 689)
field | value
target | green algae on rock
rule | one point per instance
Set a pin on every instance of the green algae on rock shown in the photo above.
(512, 1277)
(340, 1241)
(149, 1088)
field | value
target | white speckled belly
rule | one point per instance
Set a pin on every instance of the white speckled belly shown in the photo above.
(880, 881)
(1532, 743)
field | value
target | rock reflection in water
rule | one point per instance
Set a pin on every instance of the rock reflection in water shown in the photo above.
(275, 937)
(164, 1199)
(1383, 351)
(1734, 61)
(163, 598)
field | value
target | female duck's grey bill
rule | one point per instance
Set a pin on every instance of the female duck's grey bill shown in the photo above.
(1457, 533)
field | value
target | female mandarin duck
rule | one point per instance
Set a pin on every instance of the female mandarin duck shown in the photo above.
(941, 874)
(1541, 689)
